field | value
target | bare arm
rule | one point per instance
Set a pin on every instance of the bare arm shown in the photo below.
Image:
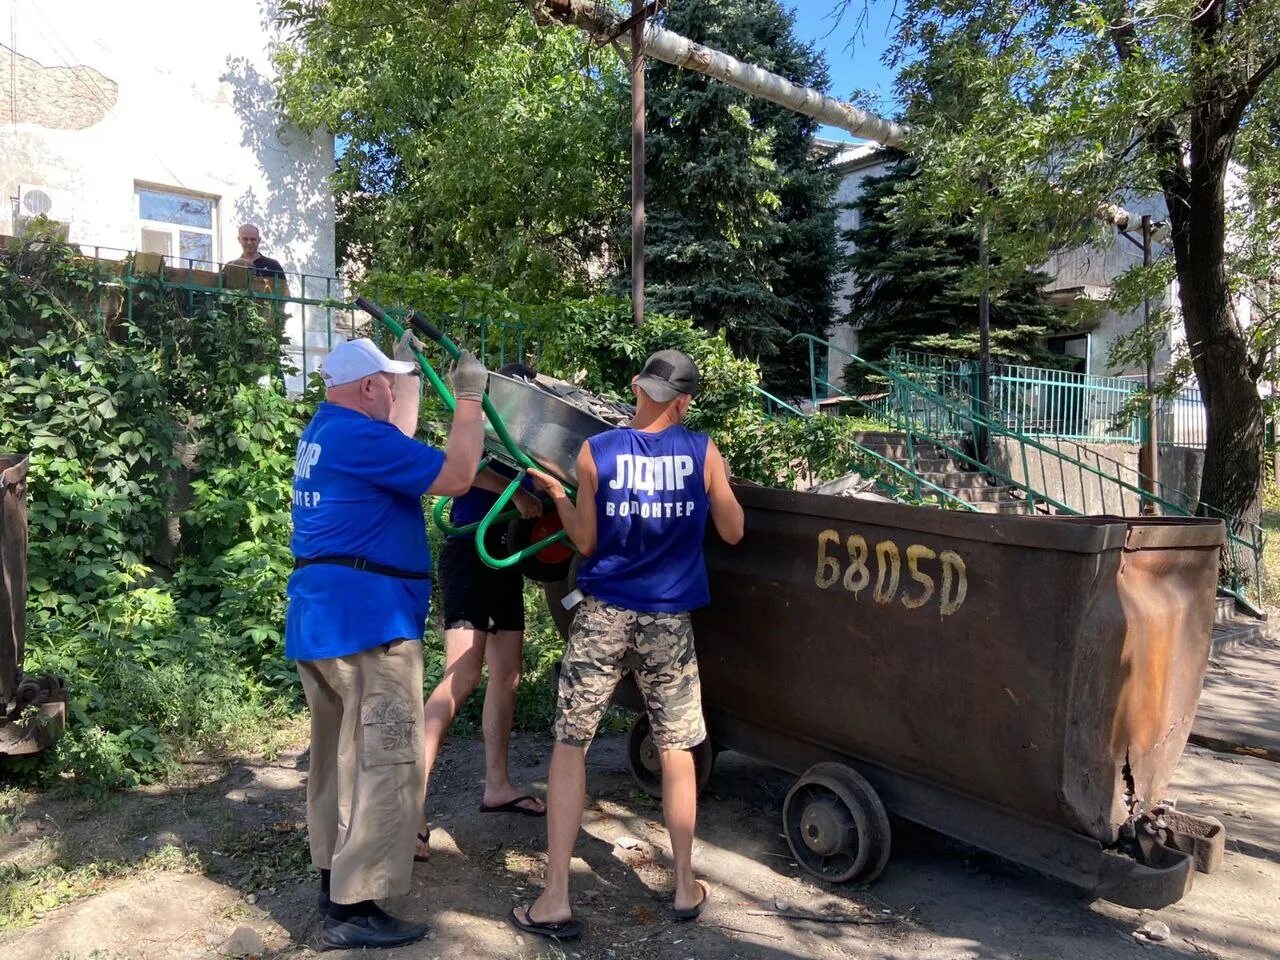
(726, 512)
(406, 398)
(462, 452)
(579, 519)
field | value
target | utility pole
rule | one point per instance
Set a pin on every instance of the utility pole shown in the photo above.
(1150, 448)
(637, 161)
(984, 328)
(1149, 455)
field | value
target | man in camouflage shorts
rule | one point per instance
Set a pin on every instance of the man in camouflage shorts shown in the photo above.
(666, 670)
(645, 494)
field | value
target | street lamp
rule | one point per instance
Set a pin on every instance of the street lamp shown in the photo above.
(1148, 460)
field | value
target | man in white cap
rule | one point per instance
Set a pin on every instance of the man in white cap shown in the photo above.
(358, 601)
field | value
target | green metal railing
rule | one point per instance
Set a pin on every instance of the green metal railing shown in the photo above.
(950, 422)
(924, 416)
(1059, 403)
(893, 478)
(316, 312)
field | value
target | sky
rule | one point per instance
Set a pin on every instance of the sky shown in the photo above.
(852, 66)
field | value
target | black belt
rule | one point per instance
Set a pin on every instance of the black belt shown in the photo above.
(359, 563)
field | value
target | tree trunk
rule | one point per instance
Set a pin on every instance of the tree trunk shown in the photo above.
(1235, 444)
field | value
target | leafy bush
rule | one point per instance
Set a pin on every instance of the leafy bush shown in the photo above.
(147, 412)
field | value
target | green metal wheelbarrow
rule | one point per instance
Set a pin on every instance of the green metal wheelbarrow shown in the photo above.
(525, 427)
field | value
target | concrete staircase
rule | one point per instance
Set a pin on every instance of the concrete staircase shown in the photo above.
(932, 463)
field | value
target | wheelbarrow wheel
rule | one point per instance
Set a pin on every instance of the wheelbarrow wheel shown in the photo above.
(836, 826)
(646, 763)
(548, 565)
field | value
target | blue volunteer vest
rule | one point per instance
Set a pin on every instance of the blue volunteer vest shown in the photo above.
(651, 516)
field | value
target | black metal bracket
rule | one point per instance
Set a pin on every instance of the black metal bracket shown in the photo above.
(650, 9)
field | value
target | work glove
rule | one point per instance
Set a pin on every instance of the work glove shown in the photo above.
(405, 346)
(468, 377)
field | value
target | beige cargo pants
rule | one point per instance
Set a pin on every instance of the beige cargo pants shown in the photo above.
(367, 775)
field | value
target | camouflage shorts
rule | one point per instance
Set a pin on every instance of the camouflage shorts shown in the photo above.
(663, 661)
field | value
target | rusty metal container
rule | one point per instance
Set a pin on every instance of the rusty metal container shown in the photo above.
(1024, 684)
(32, 709)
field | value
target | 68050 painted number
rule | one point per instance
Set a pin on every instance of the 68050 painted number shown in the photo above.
(856, 565)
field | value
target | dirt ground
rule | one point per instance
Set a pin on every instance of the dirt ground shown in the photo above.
(227, 851)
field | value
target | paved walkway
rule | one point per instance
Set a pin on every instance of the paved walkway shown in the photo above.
(1240, 706)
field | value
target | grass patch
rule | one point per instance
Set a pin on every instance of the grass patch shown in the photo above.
(1271, 546)
(28, 893)
(867, 425)
(12, 809)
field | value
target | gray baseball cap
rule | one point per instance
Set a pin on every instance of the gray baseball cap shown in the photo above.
(667, 374)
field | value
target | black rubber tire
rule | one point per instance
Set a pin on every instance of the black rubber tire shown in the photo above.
(836, 826)
(642, 757)
(519, 535)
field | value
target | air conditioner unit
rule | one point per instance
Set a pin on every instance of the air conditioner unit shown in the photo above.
(44, 202)
(54, 205)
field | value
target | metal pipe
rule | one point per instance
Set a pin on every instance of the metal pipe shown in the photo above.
(1150, 446)
(637, 161)
(604, 23)
(984, 330)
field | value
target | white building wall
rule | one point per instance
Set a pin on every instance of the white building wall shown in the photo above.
(1082, 267)
(844, 336)
(1097, 267)
(102, 97)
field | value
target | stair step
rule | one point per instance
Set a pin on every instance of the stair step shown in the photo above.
(1007, 507)
(870, 437)
(938, 465)
(904, 456)
(988, 495)
(966, 480)
(963, 484)
(899, 450)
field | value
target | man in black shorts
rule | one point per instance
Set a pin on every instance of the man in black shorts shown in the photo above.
(483, 624)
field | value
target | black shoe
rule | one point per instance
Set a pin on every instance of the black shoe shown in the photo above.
(378, 930)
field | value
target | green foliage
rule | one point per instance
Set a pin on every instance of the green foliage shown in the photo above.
(473, 142)
(148, 411)
(28, 892)
(741, 224)
(594, 343)
(1036, 116)
(915, 283)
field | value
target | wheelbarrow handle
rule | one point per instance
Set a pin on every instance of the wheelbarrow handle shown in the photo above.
(371, 308)
(417, 321)
(431, 331)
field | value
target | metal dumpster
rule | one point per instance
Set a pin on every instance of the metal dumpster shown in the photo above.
(1024, 684)
(32, 709)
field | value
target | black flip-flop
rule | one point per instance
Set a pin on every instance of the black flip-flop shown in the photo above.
(694, 912)
(566, 930)
(423, 838)
(513, 806)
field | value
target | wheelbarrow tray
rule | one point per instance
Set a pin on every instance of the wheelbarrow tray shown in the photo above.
(549, 430)
(1024, 684)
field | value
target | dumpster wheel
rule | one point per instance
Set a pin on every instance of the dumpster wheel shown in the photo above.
(835, 824)
(646, 765)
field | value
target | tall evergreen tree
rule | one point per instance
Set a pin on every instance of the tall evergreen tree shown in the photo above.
(916, 283)
(741, 223)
